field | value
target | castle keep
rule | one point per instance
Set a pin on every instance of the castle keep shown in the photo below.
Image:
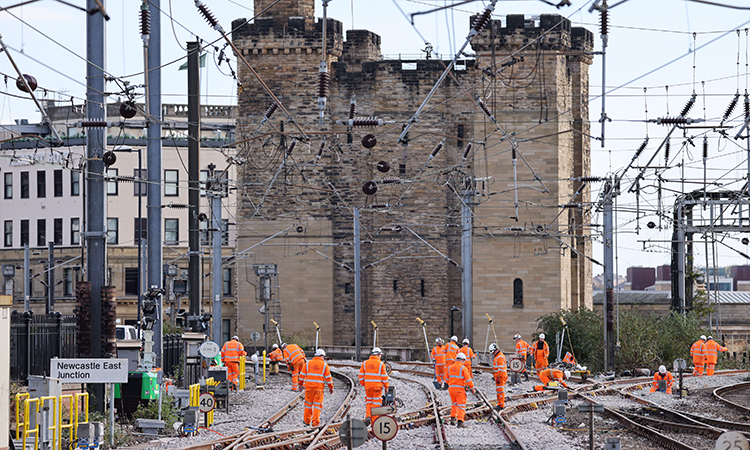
(410, 228)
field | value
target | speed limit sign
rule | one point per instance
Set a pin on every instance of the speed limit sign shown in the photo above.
(206, 402)
(517, 365)
(385, 428)
(732, 440)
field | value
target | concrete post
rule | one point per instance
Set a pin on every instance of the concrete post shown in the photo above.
(357, 286)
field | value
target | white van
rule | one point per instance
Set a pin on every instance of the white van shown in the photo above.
(126, 332)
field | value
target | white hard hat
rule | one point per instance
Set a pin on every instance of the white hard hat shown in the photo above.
(439, 340)
(254, 358)
(461, 356)
(376, 351)
(541, 336)
(567, 374)
(275, 346)
(235, 338)
(703, 336)
(493, 347)
(662, 369)
(454, 338)
(320, 352)
(517, 336)
(710, 337)
(283, 345)
(465, 341)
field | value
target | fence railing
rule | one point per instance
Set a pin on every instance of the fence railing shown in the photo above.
(36, 339)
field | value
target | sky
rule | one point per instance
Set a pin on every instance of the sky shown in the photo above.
(658, 54)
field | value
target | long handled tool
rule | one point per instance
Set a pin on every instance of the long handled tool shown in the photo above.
(427, 355)
(375, 334)
(490, 324)
(317, 333)
(278, 333)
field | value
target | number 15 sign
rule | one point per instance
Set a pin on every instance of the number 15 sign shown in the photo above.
(385, 428)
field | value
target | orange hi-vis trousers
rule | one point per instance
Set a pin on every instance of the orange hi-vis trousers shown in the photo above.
(458, 402)
(233, 369)
(296, 368)
(313, 406)
(373, 399)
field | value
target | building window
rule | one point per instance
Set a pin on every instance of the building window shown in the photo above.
(57, 232)
(75, 183)
(8, 185)
(395, 285)
(41, 183)
(144, 223)
(131, 281)
(348, 288)
(225, 328)
(421, 287)
(226, 281)
(171, 231)
(24, 184)
(171, 179)
(203, 180)
(24, 232)
(139, 188)
(518, 293)
(67, 282)
(58, 183)
(111, 181)
(75, 231)
(225, 232)
(9, 233)
(112, 226)
(41, 232)
(402, 169)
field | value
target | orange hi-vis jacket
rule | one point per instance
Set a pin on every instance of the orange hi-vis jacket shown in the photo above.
(658, 377)
(276, 355)
(459, 376)
(500, 367)
(316, 374)
(712, 351)
(469, 354)
(698, 351)
(438, 355)
(522, 348)
(535, 350)
(569, 358)
(232, 351)
(293, 353)
(451, 348)
(548, 375)
(372, 373)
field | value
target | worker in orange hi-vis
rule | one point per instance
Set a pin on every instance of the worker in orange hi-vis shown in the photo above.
(231, 353)
(540, 351)
(314, 377)
(569, 358)
(275, 356)
(451, 350)
(459, 379)
(468, 352)
(663, 375)
(373, 377)
(295, 360)
(438, 357)
(523, 350)
(552, 375)
(500, 374)
(698, 352)
(712, 354)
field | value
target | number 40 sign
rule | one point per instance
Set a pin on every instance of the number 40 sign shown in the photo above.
(385, 428)
(732, 440)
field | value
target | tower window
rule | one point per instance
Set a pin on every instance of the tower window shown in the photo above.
(518, 293)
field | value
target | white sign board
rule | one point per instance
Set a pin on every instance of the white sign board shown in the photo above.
(385, 428)
(209, 349)
(206, 402)
(87, 370)
(732, 440)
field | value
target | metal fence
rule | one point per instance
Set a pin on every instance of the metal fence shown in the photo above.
(36, 339)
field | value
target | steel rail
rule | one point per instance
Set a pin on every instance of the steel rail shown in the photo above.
(502, 423)
(340, 412)
(720, 392)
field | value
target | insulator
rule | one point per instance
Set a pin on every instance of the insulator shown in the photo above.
(641, 148)
(747, 105)
(369, 141)
(383, 166)
(126, 178)
(379, 205)
(604, 21)
(31, 81)
(513, 153)
(271, 110)
(731, 106)
(705, 147)
(291, 147)
(390, 180)
(436, 150)
(94, 124)
(745, 241)
(145, 20)
(207, 14)
(352, 109)
(482, 20)
(651, 225)
(484, 108)
(323, 80)
(688, 106)
(679, 120)
(320, 151)
(128, 109)
(667, 148)
(365, 122)
(177, 206)
(369, 188)
(590, 179)
(469, 146)
(571, 205)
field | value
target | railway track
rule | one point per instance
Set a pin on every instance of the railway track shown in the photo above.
(741, 390)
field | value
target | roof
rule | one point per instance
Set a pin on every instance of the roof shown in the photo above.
(659, 297)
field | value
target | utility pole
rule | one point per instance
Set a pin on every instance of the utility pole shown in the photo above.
(153, 162)
(26, 281)
(357, 287)
(215, 194)
(608, 310)
(96, 144)
(466, 255)
(194, 261)
(51, 278)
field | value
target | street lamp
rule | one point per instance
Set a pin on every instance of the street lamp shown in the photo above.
(453, 310)
(128, 149)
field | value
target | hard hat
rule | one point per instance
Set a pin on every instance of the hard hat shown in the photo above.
(283, 345)
(517, 336)
(454, 338)
(320, 352)
(662, 369)
(439, 340)
(275, 346)
(235, 338)
(710, 337)
(567, 374)
(376, 351)
(541, 336)
(460, 356)
(493, 347)
(703, 336)
(466, 341)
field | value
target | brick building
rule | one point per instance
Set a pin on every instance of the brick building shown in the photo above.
(411, 227)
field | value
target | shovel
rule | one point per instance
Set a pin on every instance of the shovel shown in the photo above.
(427, 347)
(317, 333)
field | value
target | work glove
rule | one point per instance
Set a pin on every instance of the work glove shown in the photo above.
(473, 391)
(330, 389)
(497, 379)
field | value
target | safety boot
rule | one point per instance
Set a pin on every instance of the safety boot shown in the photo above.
(367, 421)
(453, 420)
(461, 424)
(499, 408)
